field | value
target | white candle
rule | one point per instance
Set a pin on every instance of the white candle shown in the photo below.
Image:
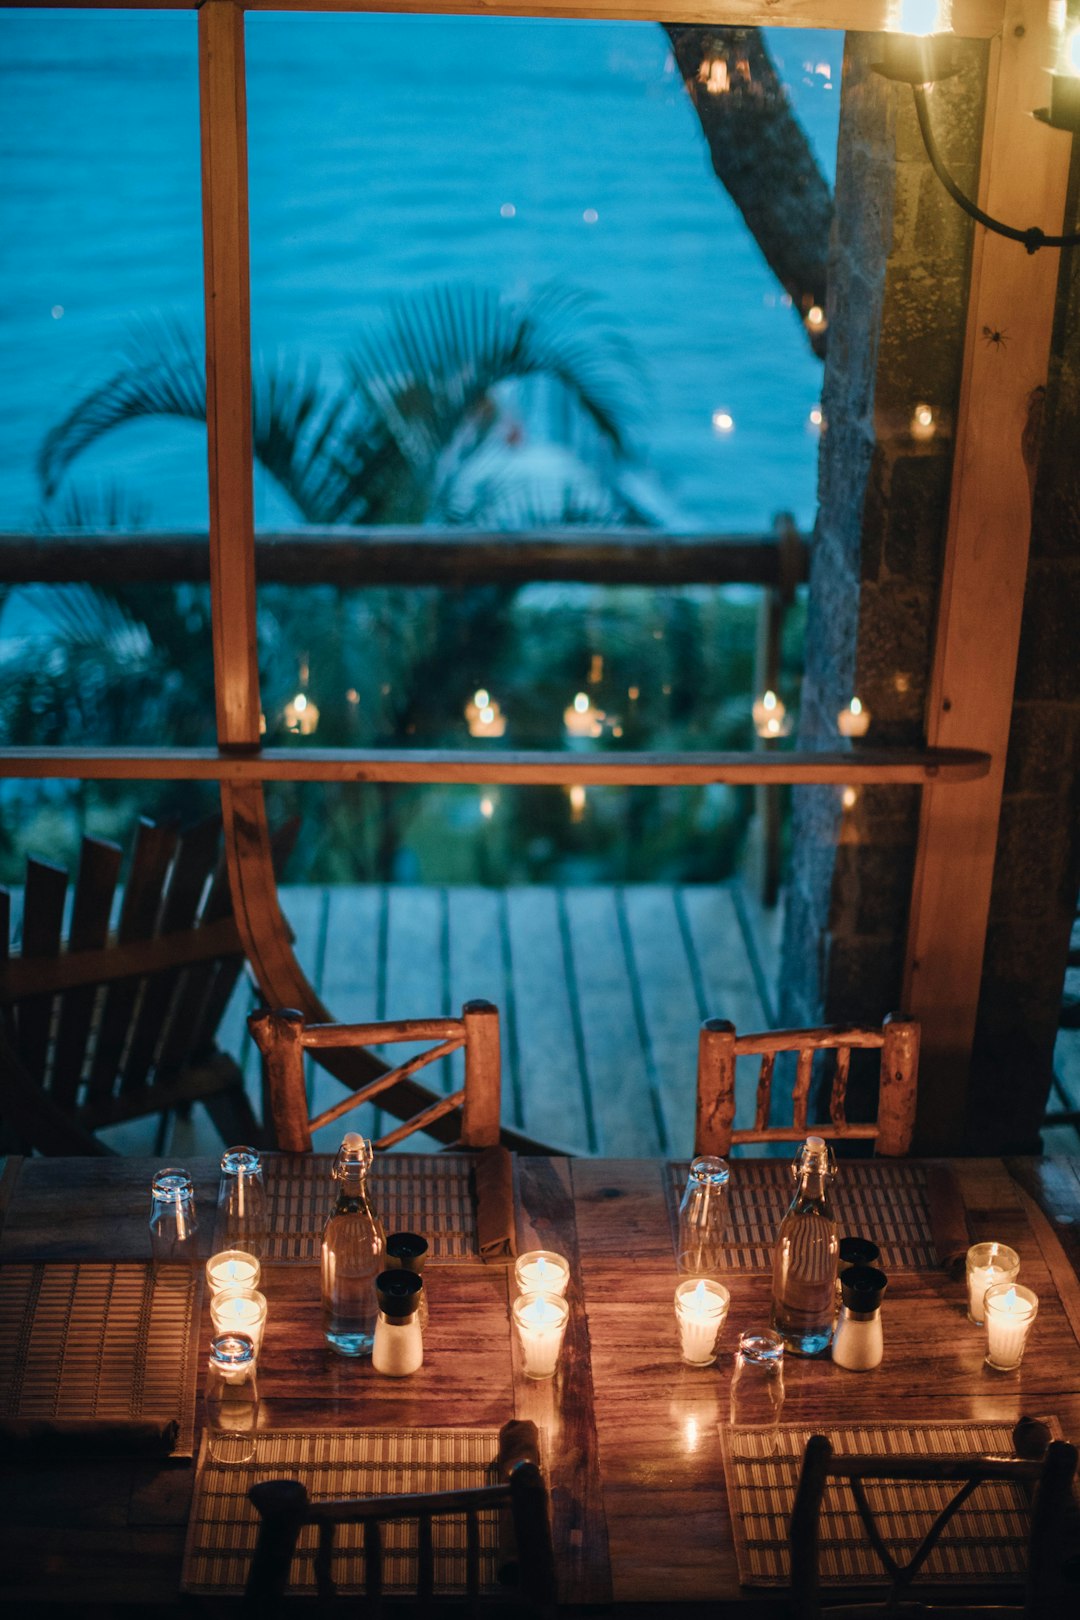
(540, 1320)
(232, 1268)
(240, 1310)
(541, 1272)
(987, 1264)
(700, 1308)
(1010, 1311)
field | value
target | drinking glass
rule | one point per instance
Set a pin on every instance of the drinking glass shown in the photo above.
(703, 1218)
(987, 1265)
(241, 1206)
(757, 1386)
(173, 1222)
(232, 1399)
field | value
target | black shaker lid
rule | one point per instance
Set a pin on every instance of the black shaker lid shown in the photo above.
(407, 1251)
(858, 1251)
(398, 1292)
(862, 1288)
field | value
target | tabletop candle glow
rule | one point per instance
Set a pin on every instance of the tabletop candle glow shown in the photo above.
(541, 1272)
(240, 1310)
(701, 1306)
(540, 1320)
(232, 1268)
(987, 1264)
(1010, 1311)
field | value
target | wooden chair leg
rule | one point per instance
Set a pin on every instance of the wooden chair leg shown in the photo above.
(277, 1035)
(803, 1532)
(715, 1088)
(899, 1072)
(282, 1506)
(483, 1075)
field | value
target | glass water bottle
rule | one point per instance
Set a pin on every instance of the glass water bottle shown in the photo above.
(804, 1258)
(353, 1246)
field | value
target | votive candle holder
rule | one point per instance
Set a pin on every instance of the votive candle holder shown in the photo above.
(987, 1264)
(1010, 1311)
(232, 1268)
(701, 1307)
(541, 1271)
(540, 1322)
(240, 1310)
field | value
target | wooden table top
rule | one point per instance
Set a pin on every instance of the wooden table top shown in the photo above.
(640, 1513)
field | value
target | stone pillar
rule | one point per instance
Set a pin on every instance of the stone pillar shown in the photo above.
(1037, 869)
(899, 272)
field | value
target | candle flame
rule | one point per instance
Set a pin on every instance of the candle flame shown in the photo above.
(581, 703)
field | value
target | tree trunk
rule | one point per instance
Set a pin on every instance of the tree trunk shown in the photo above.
(762, 157)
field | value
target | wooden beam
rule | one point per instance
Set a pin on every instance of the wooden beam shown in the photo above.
(520, 769)
(1023, 180)
(413, 556)
(974, 19)
(223, 105)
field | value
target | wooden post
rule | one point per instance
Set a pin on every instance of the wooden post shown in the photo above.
(898, 1093)
(715, 1088)
(805, 1518)
(279, 1035)
(1023, 180)
(483, 1075)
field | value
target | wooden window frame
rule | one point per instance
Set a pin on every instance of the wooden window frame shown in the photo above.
(1023, 174)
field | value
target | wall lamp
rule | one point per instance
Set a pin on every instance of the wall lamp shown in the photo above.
(920, 55)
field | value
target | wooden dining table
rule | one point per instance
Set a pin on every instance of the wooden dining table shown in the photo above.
(631, 1435)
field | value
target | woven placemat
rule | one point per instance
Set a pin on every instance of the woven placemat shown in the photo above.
(90, 1339)
(430, 1193)
(871, 1198)
(985, 1542)
(334, 1463)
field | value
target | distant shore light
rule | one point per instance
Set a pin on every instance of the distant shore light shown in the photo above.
(507, 210)
(57, 312)
(590, 216)
(723, 422)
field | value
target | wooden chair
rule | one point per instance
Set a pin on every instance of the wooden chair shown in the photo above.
(526, 1558)
(1047, 1479)
(109, 1026)
(284, 1036)
(719, 1046)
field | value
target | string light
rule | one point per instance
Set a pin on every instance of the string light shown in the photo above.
(923, 426)
(582, 718)
(854, 721)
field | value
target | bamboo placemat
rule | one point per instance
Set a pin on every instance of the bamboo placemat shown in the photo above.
(334, 1463)
(98, 1339)
(871, 1198)
(984, 1543)
(430, 1193)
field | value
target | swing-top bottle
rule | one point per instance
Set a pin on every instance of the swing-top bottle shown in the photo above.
(804, 1258)
(353, 1246)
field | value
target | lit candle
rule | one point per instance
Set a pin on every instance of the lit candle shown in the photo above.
(1010, 1311)
(232, 1268)
(484, 717)
(987, 1264)
(701, 1306)
(854, 721)
(240, 1310)
(540, 1320)
(582, 718)
(770, 716)
(923, 426)
(541, 1272)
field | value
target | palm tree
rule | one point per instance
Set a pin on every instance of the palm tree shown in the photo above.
(411, 431)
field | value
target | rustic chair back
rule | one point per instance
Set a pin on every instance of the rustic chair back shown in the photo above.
(113, 1024)
(526, 1558)
(719, 1047)
(1048, 1480)
(284, 1036)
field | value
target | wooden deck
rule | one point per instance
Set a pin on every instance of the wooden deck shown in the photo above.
(601, 992)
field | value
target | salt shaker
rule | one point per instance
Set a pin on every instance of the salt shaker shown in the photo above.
(858, 1343)
(399, 1344)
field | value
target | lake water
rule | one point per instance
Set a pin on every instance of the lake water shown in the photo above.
(388, 155)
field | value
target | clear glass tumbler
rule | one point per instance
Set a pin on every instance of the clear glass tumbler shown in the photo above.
(173, 1222)
(757, 1387)
(241, 1206)
(703, 1218)
(232, 1399)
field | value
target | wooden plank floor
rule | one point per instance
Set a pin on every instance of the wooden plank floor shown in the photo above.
(601, 991)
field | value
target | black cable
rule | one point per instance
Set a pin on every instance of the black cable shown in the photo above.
(1033, 238)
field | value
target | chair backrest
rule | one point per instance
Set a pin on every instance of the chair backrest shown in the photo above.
(284, 1036)
(719, 1047)
(525, 1562)
(1048, 1481)
(115, 1023)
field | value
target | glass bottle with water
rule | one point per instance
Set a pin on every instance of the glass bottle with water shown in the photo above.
(353, 1246)
(804, 1259)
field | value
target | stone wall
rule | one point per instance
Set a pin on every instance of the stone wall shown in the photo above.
(899, 273)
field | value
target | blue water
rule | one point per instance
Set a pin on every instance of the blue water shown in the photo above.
(383, 153)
